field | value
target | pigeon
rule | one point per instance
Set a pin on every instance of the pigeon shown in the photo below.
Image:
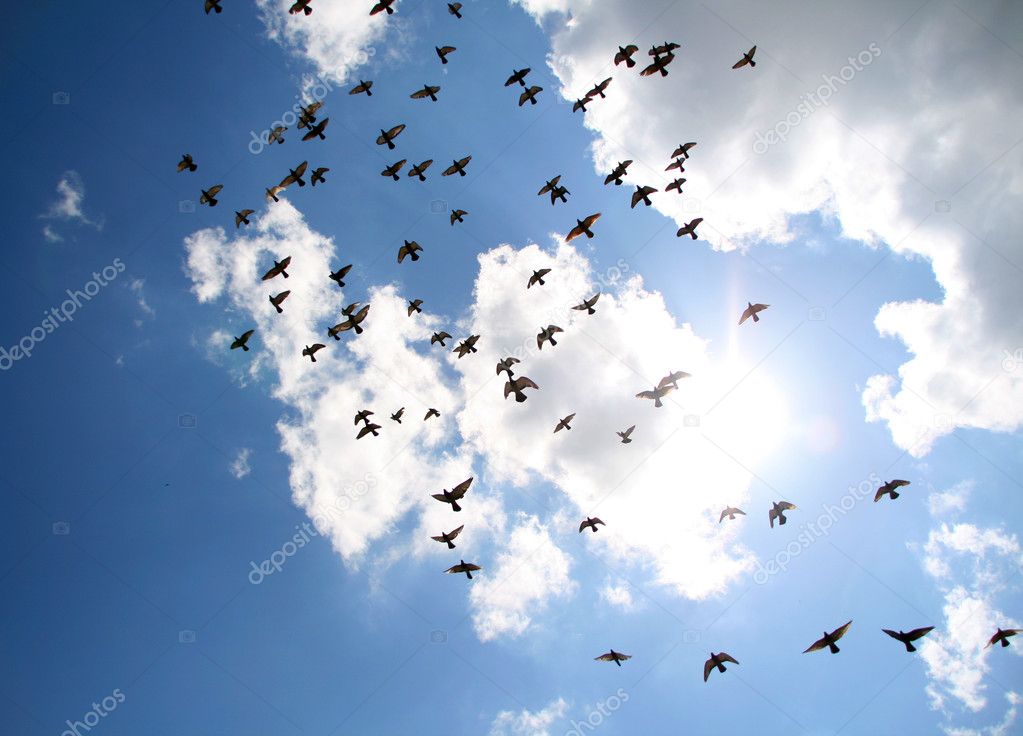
(363, 416)
(454, 9)
(683, 150)
(457, 167)
(431, 413)
(677, 164)
(186, 161)
(717, 661)
(592, 522)
(908, 637)
(277, 135)
(352, 323)
(457, 215)
(278, 268)
(618, 172)
(317, 131)
(387, 137)
(658, 393)
(368, 429)
(747, 58)
(642, 194)
(582, 227)
(529, 94)
(242, 342)
(598, 89)
(518, 77)
(420, 169)
(730, 512)
(751, 310)
(626, 435)
(889, 488)
(454, 495)
(213, 5)
(242, 216)
(295, 175)
(828, 640)
(547, 335)
(564, 423)
(689, 228)
(272, 192)
(448, 537)
(393, 169)
(276, 301)
(308, 114)
(537, 277)
(517, 386)
(439, 337)
(613, 656)
(467, 567)
(382, 6)
(1002, 637)
(209, 196)
(667, 47)
(587, 305)
(778, 512)
(549, 185)
(676, 184)
(362, 87)
(659, 65)
(559, 193)
(426, 92)
(625, 54)
(310, 350)
(318, 175)
(397, 415)
(673, 378)
(410, 249)
(414, 306)
(300, 6)
(580, 104)
(443, 51)
(339, 275)
(468, 345)
(350, 309)
(506, 365)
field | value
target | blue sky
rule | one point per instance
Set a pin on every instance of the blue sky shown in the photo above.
(130, 538)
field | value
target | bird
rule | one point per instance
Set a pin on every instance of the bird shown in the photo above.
(279, 267)
(547, 334)
(717, 660)
(382, 6)
(352, 323)
(592, 522)
(537, 277)
(310, 350)
(778, 512)
(580, 104)
(397, 415)
(415, 305)
(642, 194)
(747, 58)
(659, 64)
(564, 423)
(529, 94)
(300, 6)
(272, 192)
(517, 386)
(549, 185)
(467, 567)
(420, 169)
(439, 337)
(582, 227)
(673, 378)
(363, 416)
(339, 275)
(431, 413)
(618, 172)
(454, 495)
(457, 215)
(613, 656)
(318, 175)
(448, 537)
(751, 310)
(308, 114)
(889, 488)
(350, 309)
(242, 216)
(730, 512)
(387, 137)
(454, 9)
(598, 89)
(457, 167)
(277, 135)
(626, 435)
(368, 429)
(666, 48)
(209, 196)
(678, 163)
(443, 51)
(625, 54)
(213, 5)
(242, 341)
(518, 76)
(828, 640)
(317, 131)
(908, 637)
(559, 193)
(468, 345)
(588, 304)
(658, 393)
(426, 91)
(186, 161)
(295, 175)
(410, 249)
(506, 366)
(276, 301)
(676, 184)
(393, 169)
(362, 87)
(683, 150)
(1002, 636)
(689, 228)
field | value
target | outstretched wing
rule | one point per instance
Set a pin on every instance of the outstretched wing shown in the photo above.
(459, 490)
(840, 631)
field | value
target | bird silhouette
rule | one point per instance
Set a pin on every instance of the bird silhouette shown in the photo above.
(410, 249)
(588, 304)
(559, 193)
(213, 5)
(455, 495)
(279, 267)
(582, 227)
(311, 350)
(276, 301)
(642, 194)
(828, 640)
(468, 345)
(414, 306)
(518, 76)
(889, 489)
(398, 414)
(317, 131)
(277, 135)
(362, 87)
(300, 6)
(658, 393)
(778, 512)
(209, 196)
(242, 341)
(908, 637)
(667, 47)
(717, 661)
(625, 54)
(339, 275)
(448, 538)
(529, 94)
(420, 169)
(592, 522)
(618, 172)
(387, 137)
(676, 184)
(318, 177)
(517, 387)
(730, 512)
(599, 89)
(272, 192)
(439, 337)
(613, 656)
(457, 215)
(564, 423)
(457, 167)
(580, 104)
(658, 65)
(626, 435)
(368, 429)
(537, 277)
(363, 416)
(186, 162)
(467, 567)
(295, 175)
(689, 228)
(431, 413)
(242, 216)
(308, 114)
(383, 5)
(354, 322)
(549, 185)
(1002, 637)
(443, 51)
(752, 310)
(506, 365)
(683, 150)
(427, 92)
(393, 169)
(676, 164)
(673, 378)
(455, 9)
(747, 58)
(547, 335)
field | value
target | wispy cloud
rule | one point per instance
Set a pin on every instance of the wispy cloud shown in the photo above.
(68, 206)
(240, 465)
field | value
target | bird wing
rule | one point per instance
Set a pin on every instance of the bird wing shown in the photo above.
(726, 657)
(840, 631)
(648, 395)
(898, 483)
(708, 667)
(583, 525)
(896, 634)
(816, 646)
(569, 418)
(591, 219)
(459, 490)
(746, 314)
(455, 532)
(573, 233)
(919, 633)
(420, 94)
(608, 657)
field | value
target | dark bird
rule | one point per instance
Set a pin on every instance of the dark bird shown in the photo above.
(673, 378)
(387, 137)
(308, 114)
(209, 196)
(598, 89)
(339, 275)
(242, 216)
(828, 640)
(506, 366)
(658, 393)
(415, 305)
(420, 169)
(547, 334)
(318, 175)
(426, 91)
(277, 135)
(393, 169)
(717, 660)
(468, 345)
(295, 175)
(362, 87)
(449, 537)
(1002, 637)
(457, 167)
(431, 413)
(213, 5)
(443, 51)
(559, 193)
(683, 150)
(676, 184)
(580, 104)
(276, 301)
(730, 512)
(778, 512)
(310, 350)
(549, 186)
(642, 194)
(363, 416)
(537, 277)
(889, 488)
(747, 58)
(272, 192)
(659, 65)
(467, 567)
(382, 6)
(517, 386)
(667, 47)
(613, 656)
(352, 323)
(350, 309)
(588, 304)
(751, 310)
(678, 163)
(626, 435)
(908, 637)
(518, 77)
(529, 94)
(457, 215)
(368, 429)
(317, 131)
(278, 268)
(618, 172)
(564, 423)
(455, 9)
(439, 337)
(689, 228)
(186, 162)
(243, 341)
(582, 227)
(398, 414)
(300, 6)
(410, 249)
(454, 495)
(625, 54)
(592, 522)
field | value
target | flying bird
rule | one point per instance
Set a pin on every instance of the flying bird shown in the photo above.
(457, 167)
(625, 54)
(667, 47)
(717, 661)
(559, 193)
(420, 169)
(676, 184)
(778, 512)
(518, 77)
(683, 150)
(311, 350)
(186, 162)
(448, 538)
(506, 365)
(549, 186)
(350, 309)
(398, 414)
(468, 345)
(828, 640)
(467, 567)
(588, 304)
(582, 227)
(368, 429)
(242, 342)
(318, 175)
(889, 488)
(618, 172)
(363, 416)
(300, 6)
(278, 268)
(393, 169)
(678, 163)
(209, 196)
(308, 114)
(747, 58)
(580, 104)
(295, 175)
(547, 335)
(626, 435)
(537, 277)
(387, 137)
(673, 378)
(317, 131)
(517, 386)
(439, 337)
(410, 249)
(415, 305)
(613, 656)
(431, 413)
(339, 275)
(277, 135)
(642, 194)
(592, 522)
(454, 9)
(443, 51)
(908, 637)
(382, 6)
(362, 87)
(564, 423)
(276, 301)
(689, 228)
(242, 216)
(658, 393)
(272, 192)
(454, 495)
(457, 215)
(659, 65)
(529, 94)
(352, 323)
(751, 310)
(598, 89)
(730, 512)
(213, 5)
(1002, 637)
(426, 91)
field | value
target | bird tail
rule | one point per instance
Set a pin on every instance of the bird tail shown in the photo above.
(591, 310)
(910, 647)
(693, 235)
(894, 494)
(193, 167)
(461, 172)
(781, 519)
(552, 341)
(721, 668)
(358, 330)
(752, 63)
(284, 274)
(451, 545)
(833, 648)
(390, 145)
(629, 63)
(468, 574)
(756, 318)
(456, 507)
(415, 256)
(618, 663)
(278, 308)
(300, 183)
(313, 358)
(1005, 642)
(520, 396)
(308, 10)
(368, 93)
(657, 403)
(245, 348)
(443, 60)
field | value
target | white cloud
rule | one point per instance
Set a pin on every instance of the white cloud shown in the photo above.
(137, 286)
(68, 206)
(240, 465)
(529, 723)
(952, 501)
(51, 235)
(618, 594)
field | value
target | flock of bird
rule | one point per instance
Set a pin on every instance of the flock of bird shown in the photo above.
(354, 315)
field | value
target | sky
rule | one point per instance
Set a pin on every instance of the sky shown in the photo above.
(196, 542)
